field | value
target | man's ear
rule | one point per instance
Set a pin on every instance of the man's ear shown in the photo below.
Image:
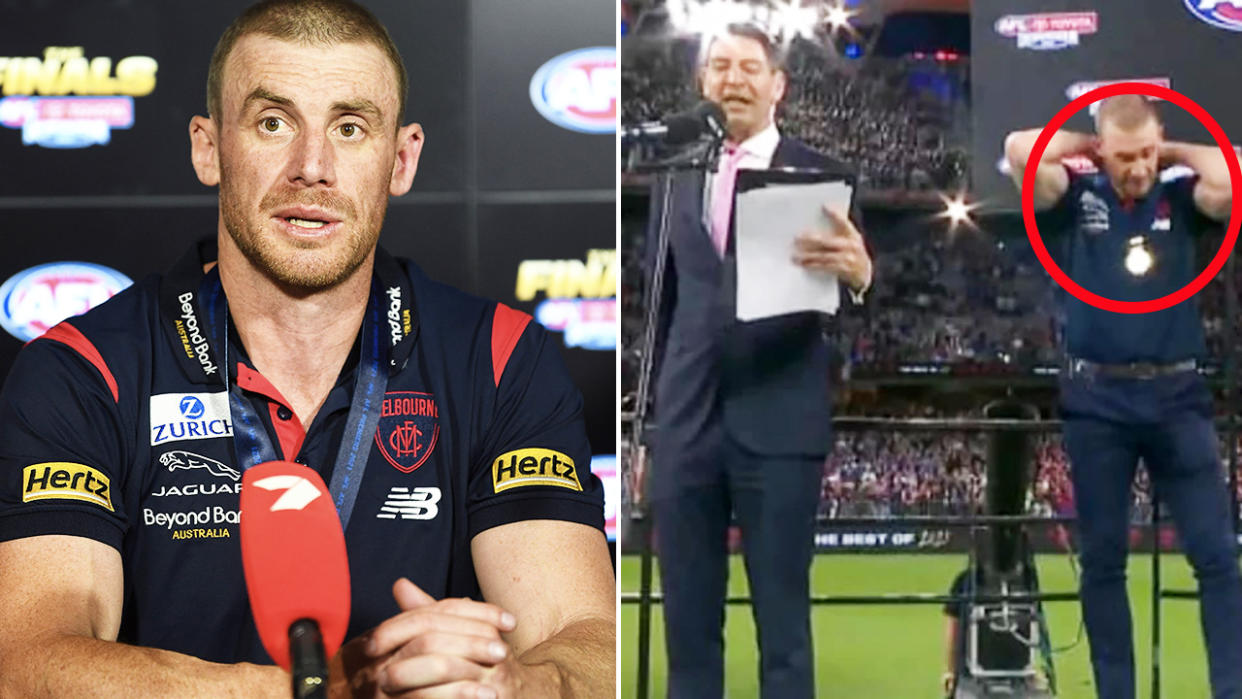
(409, 146)
(778, 86)
(205, 150)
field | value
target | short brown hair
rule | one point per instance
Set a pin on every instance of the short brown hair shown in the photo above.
(753, 32)
(1127, 112)
(316, 22)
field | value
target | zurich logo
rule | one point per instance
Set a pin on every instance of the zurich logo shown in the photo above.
(34, 300)
(191, 408)
(578, 90)
(1226, 14)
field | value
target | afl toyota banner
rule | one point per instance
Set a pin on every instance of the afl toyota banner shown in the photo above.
(1031, 57)
(514, 197)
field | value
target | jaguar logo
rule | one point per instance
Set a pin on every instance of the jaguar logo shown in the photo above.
(188, 460)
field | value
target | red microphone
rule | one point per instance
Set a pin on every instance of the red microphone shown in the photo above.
(297, 572)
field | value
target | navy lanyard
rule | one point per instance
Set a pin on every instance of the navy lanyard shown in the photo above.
(251, 442)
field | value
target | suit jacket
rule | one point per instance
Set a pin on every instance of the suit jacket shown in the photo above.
(769, 378)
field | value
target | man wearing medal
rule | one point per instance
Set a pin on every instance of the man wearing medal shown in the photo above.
(1130, 389)
(289, 335)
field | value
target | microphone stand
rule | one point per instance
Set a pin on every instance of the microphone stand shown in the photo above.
(308, 665)
(665, 172)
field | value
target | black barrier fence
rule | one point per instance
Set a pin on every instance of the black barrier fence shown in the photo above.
(1152, 534)
(935, 535)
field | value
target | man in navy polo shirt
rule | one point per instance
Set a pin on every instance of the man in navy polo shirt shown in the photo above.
(124, 432)
(1131, 389)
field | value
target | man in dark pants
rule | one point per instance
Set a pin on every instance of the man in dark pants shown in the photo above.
(1131, 389)
(742, 408)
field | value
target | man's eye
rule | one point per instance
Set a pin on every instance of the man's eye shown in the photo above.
(348, 130)
(271, 124)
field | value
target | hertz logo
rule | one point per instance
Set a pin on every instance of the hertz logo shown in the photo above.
(58, 480)
(566, 279)
(65, 70)
(534, 466)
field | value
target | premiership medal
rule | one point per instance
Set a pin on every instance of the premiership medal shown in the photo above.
(1139, 258)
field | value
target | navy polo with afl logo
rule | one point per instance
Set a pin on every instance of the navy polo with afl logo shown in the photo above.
(1131, 392)
(117, 426)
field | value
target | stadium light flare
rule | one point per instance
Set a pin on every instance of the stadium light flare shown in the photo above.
(783, 19)
(793, 19)
(838, 17)
(956, 210)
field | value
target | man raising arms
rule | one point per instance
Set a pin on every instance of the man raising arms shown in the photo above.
(1130, 388)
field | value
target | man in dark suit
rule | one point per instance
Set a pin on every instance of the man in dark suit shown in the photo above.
(743, 409)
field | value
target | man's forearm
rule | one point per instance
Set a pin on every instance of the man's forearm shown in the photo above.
(1063, 144)
(578, 661)
(77, 666)
(1207, 161)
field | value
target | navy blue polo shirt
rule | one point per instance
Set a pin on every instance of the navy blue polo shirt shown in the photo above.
(1098, 228)
(116, 426)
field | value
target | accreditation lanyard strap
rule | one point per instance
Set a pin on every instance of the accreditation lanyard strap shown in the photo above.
(251, 442)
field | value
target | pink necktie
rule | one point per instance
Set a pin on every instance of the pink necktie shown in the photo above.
(722, 196)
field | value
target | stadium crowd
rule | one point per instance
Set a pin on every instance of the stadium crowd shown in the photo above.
(966, 300)
(900, 121)
(893, 474)
(976, 298)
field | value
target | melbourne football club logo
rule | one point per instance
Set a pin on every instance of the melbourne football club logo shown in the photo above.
(1226, 14)
(408, 429)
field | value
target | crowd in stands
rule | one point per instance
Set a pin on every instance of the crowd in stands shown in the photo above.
(965, 300)
(893, 474)
(882, 116)
(899, 136)
(976, 298)
(883, 474)
(962, 300)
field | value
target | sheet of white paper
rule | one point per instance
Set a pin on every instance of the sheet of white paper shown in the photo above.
(767, 220)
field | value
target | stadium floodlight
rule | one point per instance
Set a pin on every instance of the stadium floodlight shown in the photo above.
(709, 17)
(782, 19)
(957, 211)
(794, 19)
(838, 17)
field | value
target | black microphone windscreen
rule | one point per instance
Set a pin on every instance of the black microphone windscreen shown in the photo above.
(712, 115)
(682, 128)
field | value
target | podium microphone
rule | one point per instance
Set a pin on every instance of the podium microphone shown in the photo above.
(706, 118)
(297, 572)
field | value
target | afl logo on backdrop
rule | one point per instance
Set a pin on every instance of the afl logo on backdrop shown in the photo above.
(34, 300)
(578, 90)
(1226, 14)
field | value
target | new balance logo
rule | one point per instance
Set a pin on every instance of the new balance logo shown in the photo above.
(410, 503)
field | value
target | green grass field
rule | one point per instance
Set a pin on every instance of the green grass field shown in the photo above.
(895, 652)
